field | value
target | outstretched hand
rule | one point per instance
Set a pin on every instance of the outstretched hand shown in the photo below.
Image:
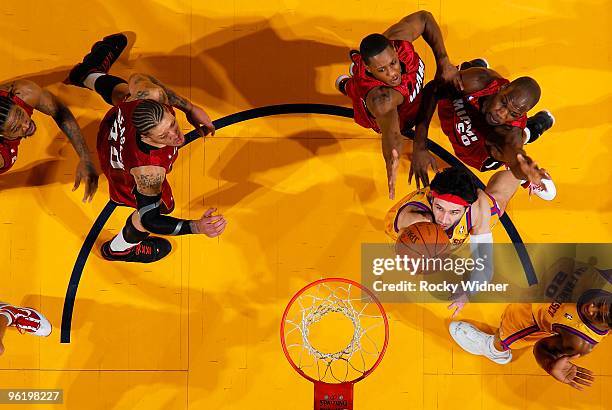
(209, 224)
(458, 304)
(421, 160)
(86, 172)
(568, 373)
(201, 121)
(530, 168)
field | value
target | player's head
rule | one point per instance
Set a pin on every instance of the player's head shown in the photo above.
(157, 125)
(381, 59)
(14, 120)
(452, 191)
(598, 310)
(512, 101)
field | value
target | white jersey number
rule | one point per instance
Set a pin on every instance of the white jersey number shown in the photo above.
(117, 139)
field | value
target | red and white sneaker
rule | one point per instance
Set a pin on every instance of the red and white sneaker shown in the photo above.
(149, 250)
(548, 195)
(26, 320)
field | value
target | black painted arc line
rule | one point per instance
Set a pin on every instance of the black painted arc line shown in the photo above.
(511, 230)
(235, 118)
(77, 270)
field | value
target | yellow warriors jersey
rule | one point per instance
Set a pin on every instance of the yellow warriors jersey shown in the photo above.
(420, 200)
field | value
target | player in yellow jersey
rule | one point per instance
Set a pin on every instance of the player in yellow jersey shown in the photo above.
(558, 331)
(462, 210)
(457, 205)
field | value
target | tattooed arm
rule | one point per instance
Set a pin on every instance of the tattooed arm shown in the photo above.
(145, 86)
(52, 106)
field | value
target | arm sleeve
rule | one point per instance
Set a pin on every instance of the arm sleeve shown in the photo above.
(482, 248)
(154, 221)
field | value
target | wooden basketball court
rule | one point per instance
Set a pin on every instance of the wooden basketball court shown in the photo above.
(301, 193)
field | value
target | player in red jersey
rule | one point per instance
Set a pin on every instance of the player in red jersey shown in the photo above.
(138, 142)
(486, 123)
(386, 81)
(25, 320)
(18, 100)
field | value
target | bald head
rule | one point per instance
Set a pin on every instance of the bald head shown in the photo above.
(512, 101)
(525, 93)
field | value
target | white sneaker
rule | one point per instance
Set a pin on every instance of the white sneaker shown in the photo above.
(26, 320)
(549, 194)
(476, 342)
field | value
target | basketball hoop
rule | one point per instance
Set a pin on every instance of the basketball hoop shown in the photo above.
(334, 372)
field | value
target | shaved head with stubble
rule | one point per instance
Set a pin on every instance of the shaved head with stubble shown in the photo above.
(512, 101)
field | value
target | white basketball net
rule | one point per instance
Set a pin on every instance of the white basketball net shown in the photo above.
(362, 351)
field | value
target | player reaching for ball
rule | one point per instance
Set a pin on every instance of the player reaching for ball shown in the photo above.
(461, 209)
(486, 122)
(386, 79)
(138, 142)
(454, 202)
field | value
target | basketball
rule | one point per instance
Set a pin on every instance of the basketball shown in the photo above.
(422, 239)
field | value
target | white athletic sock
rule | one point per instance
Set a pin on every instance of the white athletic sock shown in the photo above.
(90, 80)
(527, 135)
(119, 244)
(493, 350)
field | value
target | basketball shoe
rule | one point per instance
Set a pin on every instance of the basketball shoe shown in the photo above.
(99, 60)
(537, 124)
(26, 320)
(476, 342)
(149, 250)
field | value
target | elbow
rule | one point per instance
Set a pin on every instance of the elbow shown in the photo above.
(425, 16)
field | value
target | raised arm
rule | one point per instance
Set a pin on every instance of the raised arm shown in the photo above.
(505, 144)
(554, 353)
(383, 102)
(144, 86)
(49, 104)
(422, 23)
(421, 158)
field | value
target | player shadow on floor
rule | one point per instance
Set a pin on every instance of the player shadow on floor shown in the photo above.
(241, 53)
(237, 53)
(217, 48)
(128, 340)
(243, 165)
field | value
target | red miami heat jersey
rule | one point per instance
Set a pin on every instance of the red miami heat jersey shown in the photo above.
(10, 148)
(413, 73)
(119, 151)
(466, 127)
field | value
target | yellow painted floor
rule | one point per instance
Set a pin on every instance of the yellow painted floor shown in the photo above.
(199, 330)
